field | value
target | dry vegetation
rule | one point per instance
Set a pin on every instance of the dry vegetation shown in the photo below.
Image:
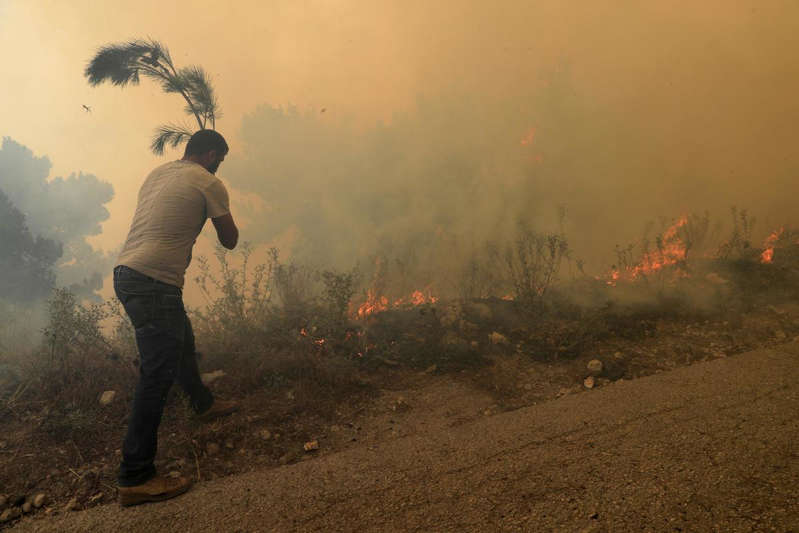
(301, 360)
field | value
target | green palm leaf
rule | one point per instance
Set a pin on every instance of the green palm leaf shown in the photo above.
(169, 134)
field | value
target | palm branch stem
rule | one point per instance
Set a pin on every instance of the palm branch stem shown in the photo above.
(185, 96)
(165, 76)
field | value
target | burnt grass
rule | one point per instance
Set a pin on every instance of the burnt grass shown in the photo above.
(56, 438)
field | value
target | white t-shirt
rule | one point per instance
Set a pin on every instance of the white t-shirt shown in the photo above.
(174, 202)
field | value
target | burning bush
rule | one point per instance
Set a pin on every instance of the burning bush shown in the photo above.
(284, 325)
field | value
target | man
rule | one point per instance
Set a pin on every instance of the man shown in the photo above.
(173, 204)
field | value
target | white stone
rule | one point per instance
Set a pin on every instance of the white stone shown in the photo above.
(595, 366)
(209, 377)
(107, 397)
(38, 500)
(497, 338)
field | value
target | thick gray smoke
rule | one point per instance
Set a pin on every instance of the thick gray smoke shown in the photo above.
(66, 210)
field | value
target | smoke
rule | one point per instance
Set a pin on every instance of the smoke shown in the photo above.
(629, 112)
(66, 210)
(430, 183)
(462, 167)
(26, 260)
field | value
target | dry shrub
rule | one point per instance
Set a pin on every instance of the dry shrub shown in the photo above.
(533, 263)
(277, 325)
(739, 244)
(74, 365)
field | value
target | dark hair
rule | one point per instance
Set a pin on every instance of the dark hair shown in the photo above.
(204, 141)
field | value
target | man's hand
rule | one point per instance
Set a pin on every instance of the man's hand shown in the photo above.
(226, 231)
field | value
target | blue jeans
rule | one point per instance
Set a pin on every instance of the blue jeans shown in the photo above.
(166, 354)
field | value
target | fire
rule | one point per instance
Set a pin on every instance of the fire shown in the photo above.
(375, 304)
(768, 253)
(671, 250)
(528, 139)
(417, 298)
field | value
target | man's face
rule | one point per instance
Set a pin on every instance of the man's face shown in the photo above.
(212, 160)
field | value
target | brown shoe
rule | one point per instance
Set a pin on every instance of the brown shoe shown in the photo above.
(217, 409)
(155, 490)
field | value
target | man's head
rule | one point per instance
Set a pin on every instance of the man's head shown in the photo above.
(207, 148)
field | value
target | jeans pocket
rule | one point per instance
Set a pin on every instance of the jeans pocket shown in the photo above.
(129, 287)
(140, 309)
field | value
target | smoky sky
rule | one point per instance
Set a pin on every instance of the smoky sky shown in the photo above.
(450, 118)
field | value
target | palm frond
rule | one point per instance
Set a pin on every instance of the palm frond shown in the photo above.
(200, 90)
(169, 134)
(174, 84)
(122, 63)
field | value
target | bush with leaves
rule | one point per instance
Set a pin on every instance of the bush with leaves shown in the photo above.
(72, 329)
(237, 299)
(74, 365)
(339, 288)
(277, 324)
(271, 304)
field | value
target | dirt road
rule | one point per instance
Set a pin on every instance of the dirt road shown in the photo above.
(710, 447)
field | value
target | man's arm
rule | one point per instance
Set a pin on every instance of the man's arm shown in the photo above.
(226, 231)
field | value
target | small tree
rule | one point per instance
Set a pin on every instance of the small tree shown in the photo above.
(72, 328)
(124, 63)
(26, 261)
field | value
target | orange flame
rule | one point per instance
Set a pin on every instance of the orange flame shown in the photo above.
(375, 304)
(417, 298)
(671, 251)
(768, 253)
